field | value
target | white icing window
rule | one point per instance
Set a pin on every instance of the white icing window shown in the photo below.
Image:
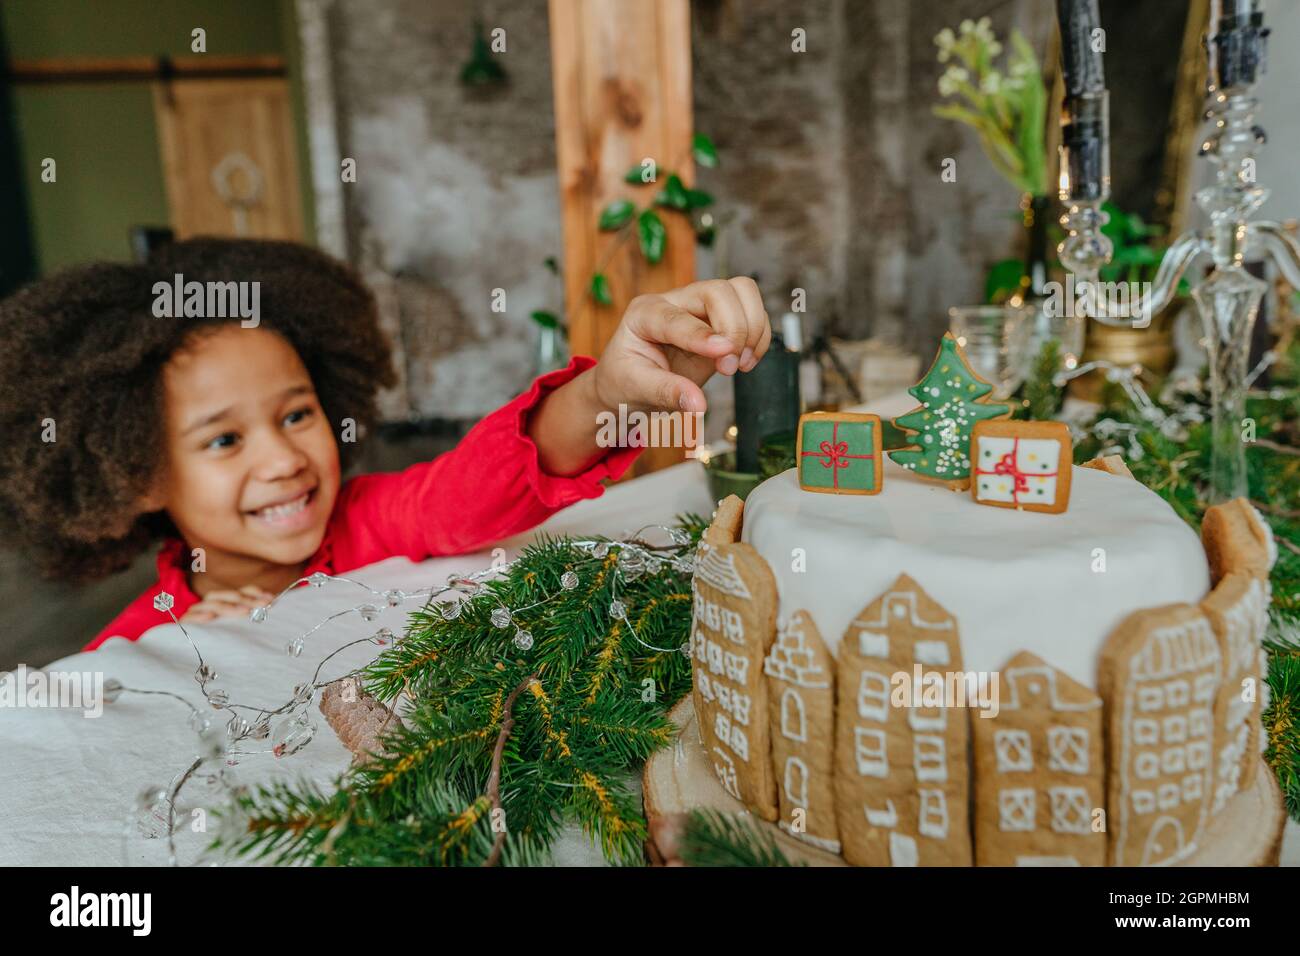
(1150, 698)
(931, 652)
(724, 695)
(1178, 693)
(1146, 766)
(930, 758)
(705, 685)
(1013, 750)
(1016, 810)
(873, 696)
(1173, 760)
(932, 818)
(715, 658)
(1175, 728)
(902, 850)
(712, 618)
(732, 626)
(869, 748)
(737, 667)
(1069, 809)
(1144, 801)
(871, 644)
(1167, 796)
(1067, 749)
(792, 717)
(1198, 722)
(1192, 787)
(722, 726)
(1145, 731)
(740, 707)
(739, 742)
(888, 817)
(796, 782)
(927, 718)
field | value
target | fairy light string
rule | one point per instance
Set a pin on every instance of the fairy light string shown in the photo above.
(287, 729)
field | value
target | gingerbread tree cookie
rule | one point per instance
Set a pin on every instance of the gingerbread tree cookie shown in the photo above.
(801, 699)
(901, 772)
(953, 398)
(1238, 611)
(733, 626)
(1039, 776)
(1160, 678)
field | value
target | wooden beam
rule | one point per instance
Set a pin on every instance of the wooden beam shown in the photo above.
(622, 85)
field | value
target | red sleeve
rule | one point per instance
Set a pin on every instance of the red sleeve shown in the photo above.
(489, 487)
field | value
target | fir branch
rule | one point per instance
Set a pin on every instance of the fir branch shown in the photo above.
(494, 777)
(713, 838)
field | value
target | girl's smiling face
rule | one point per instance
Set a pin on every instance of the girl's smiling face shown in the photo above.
(252, 464)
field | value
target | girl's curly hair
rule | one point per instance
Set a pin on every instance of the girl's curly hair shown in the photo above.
(84, 349)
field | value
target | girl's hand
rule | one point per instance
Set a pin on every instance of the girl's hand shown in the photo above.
(217, 604)
(670, 344)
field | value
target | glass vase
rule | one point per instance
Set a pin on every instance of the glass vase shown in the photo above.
(1050, 322)
(1228, 301)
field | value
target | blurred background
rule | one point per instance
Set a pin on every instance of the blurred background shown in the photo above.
(470, 158)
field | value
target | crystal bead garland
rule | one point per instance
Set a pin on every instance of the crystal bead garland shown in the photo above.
(500, 617)
(568, 580)
(393, 598)
(450, 610)
(523, 639)
(112, 690)
(368, 612)
(291, 734)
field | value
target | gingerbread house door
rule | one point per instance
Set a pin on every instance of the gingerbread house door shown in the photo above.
(229, 159)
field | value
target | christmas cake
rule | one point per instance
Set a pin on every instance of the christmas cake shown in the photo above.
(945, 683)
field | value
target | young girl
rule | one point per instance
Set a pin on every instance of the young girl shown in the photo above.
(226, 439)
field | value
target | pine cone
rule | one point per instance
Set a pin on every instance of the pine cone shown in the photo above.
(357, 718)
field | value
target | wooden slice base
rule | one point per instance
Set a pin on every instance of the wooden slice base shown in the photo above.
(680, 778)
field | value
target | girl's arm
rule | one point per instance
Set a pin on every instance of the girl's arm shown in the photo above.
(539, 452)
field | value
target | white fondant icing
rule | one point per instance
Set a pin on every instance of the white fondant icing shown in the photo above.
(1014, 580)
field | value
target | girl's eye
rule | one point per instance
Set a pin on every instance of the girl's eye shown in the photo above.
(294, 418)
(227, 440)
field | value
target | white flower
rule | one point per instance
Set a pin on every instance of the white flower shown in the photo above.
(967, 27)
(958, 74)
(994, 48)
(991, 83)
(1021, 68)
(944, 39)
(947, 87)
(984, 29)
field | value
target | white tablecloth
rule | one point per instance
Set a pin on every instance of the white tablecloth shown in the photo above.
(68, 784)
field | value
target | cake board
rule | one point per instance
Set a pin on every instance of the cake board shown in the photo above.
(680, 778)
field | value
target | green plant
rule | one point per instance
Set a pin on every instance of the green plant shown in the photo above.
(624, 216)
(1007, 111)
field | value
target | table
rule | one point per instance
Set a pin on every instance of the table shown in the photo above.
(69, 783)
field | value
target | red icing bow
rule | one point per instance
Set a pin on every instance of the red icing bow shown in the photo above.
(837, 454)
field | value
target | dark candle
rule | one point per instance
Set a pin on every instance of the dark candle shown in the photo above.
(1236, 42)
(1080, 60)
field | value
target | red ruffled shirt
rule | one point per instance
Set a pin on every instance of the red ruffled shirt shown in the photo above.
(489, 487)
